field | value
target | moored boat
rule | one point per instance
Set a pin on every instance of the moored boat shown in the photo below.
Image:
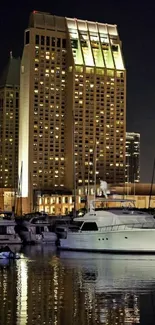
(37, 230)
(121, 229)
(8, 233)
(9, 255)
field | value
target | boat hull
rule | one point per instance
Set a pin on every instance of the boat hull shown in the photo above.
(10, 240)
(45, 237)
(123, 241)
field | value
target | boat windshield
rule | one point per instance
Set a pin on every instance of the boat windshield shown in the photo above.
(35, 217)
(77, 224)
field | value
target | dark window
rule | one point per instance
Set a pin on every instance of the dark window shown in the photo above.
(3, 230)
(42, 40)
(63, 43)
(114, 48)
(39, 230)
(48, 41)
(37, 39)
(53, 41)
(58, 42)
(17, 102)
(74, 44)
(27, 37)
(89, 226)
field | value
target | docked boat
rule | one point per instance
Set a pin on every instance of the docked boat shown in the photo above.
(122, 229)
(36, 230)
(8, 233)
(9, 255)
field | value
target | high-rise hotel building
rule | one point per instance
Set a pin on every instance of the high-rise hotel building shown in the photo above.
(9, 123)
(72, 104)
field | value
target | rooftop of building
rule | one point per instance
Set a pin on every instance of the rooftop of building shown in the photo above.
(11, 73)
(134, 188)
(46, 20)
(132, 134)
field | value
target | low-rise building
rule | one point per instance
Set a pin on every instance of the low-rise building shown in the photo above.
(61, 203)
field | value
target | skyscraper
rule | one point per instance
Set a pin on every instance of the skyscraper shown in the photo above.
(132, 173)
(9, 119)
(73, 103)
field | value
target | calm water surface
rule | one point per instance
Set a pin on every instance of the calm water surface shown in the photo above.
(46, 287)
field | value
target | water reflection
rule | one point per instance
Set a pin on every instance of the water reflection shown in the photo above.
(22, 291)
(74, 288)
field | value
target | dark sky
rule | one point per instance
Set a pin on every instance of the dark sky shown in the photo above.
(136, 25)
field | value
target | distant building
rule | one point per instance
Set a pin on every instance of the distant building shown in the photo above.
(9, 117)
(132, 170)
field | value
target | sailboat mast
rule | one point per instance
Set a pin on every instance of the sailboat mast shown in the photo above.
(95, 171)
(74, 169)
(134, 187)
(87, 193)
(151, 184)
(21, 184)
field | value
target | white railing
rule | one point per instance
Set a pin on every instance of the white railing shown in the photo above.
(144, 225)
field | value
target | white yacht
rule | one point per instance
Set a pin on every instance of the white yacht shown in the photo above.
(37, 230)
(8, 234)
(110, 229)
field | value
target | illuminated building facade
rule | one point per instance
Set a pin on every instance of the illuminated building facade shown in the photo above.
(73, 104)
(62, 204)
(97, 79)
(132, 169)
(9, 109)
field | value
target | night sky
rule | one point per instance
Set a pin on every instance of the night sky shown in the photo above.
(136, 25)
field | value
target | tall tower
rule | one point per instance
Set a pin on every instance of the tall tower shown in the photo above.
(73, 103)
(9, 119)
(132, 171)
(96, 106)
(42, 109)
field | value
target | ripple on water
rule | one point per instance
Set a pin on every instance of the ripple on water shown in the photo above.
(76, 288)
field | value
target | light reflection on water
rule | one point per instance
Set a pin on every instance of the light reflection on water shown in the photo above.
(46, 287)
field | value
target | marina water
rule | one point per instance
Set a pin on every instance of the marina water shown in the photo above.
(50, 287)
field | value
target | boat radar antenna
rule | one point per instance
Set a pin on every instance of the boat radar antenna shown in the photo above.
(105, 191)
(104, 188)
(91, 206)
